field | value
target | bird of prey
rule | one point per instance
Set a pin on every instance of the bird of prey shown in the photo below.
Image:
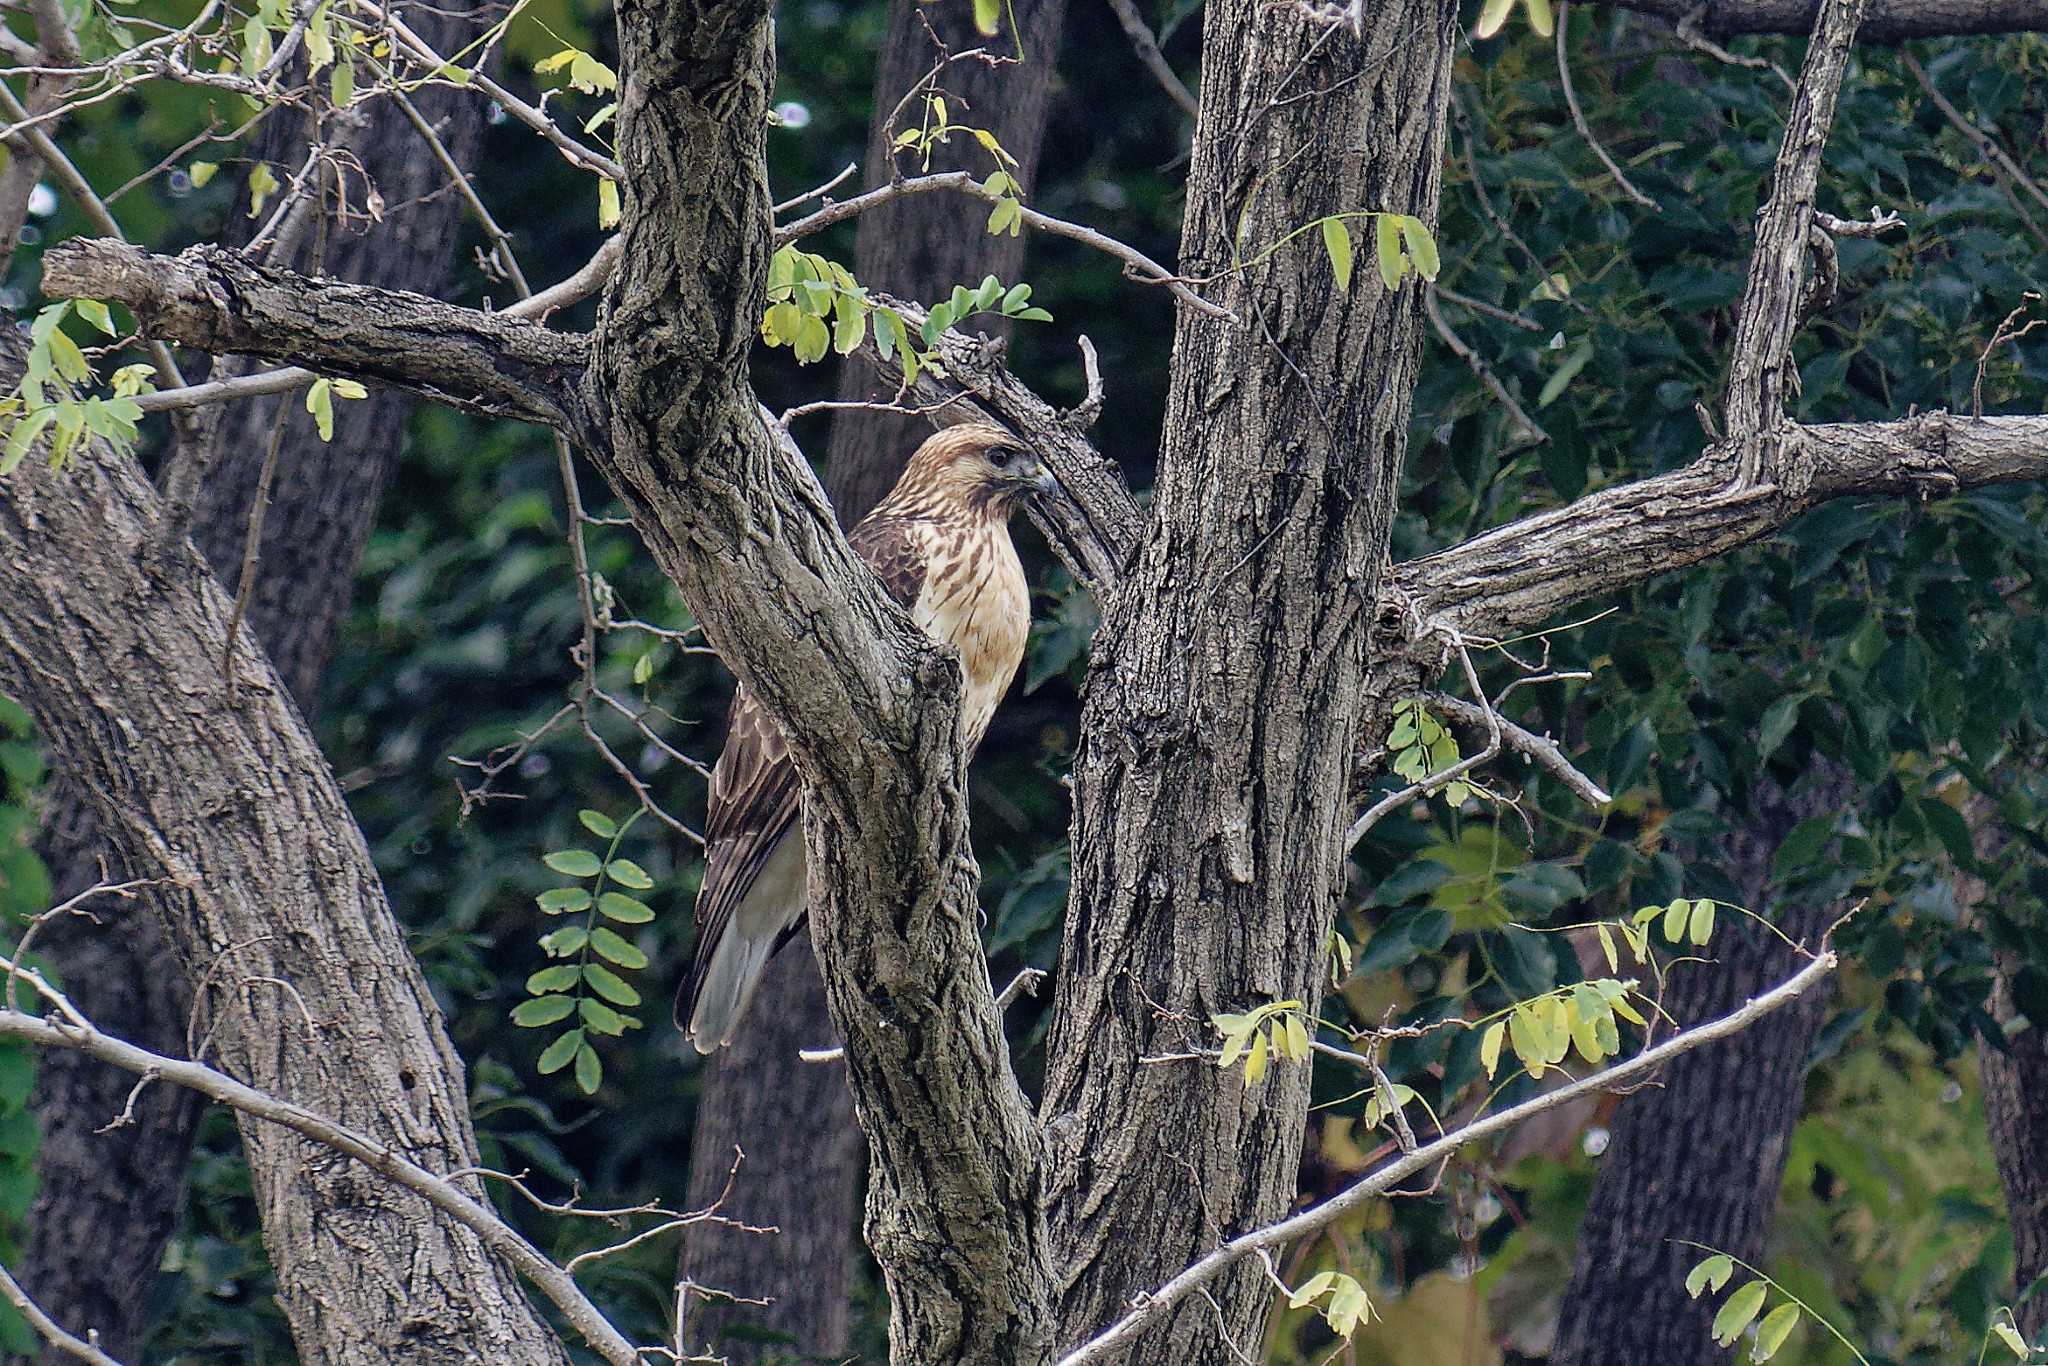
(940, 542)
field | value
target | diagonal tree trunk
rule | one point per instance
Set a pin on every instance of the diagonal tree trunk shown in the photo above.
(108, 1199)
(1221, 721)
(1675, 1168)
(795, 1122)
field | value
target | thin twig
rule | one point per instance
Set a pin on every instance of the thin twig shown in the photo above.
(1147, 48)
(1571, 100)
(1539, 748)
(1150, 1308)
(1985, 142)
(252, 537)
(1477, 364)
(48, 1327)
(1137, 265)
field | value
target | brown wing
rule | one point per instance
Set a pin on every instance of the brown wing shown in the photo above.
(885, 544)
(755, 801)
(755, 794)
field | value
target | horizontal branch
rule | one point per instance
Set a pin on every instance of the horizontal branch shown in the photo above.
(1884, 21)
(1528, 571)
(215, 300)
(585, 282)
(1151, 1308)
(67, 1029)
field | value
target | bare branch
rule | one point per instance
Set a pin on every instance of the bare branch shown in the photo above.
(578, 287)
(1760, 371)
(1151, 1308)
(48, 1327)
(68, 1030)
(216, 300)
(1888, 21)
(1539, 748)
(1985, 143)
(1571, 99)
(1147, 48)
(1477, 364)
(1521, 574)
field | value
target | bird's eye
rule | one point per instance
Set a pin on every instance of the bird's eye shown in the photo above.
(1001, 456)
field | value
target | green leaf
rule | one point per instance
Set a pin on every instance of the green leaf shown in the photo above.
(1711, 1274)
(1676, 917)
(1421, 246)
(643, 669)
(813, 339)
(1702, 927)
(610, 985)
(1545, 25)
(1564, 374)
(988, 16)
(558, 978)
(589, 1069)
(262, 185)
(558, 1053)
(1772, 1332)
(1387, 243)
(627, 873)
(600, 1017)
(598, 824)
(556, 900)
(625, 909)
(542, 1010)
(573, 862)
(1492, 17)
(888, 332)
(1779, 718)
(608, 943)
(320, 403)
(96, 313)
(608, 208)
(568, 940)
(1489, 1046)
(2010, 1336)
(348, 388)
(201, 172)
(341, 83)
(1033, 315)
(1735, 1315)
(1337, 242)
(1311, 1289)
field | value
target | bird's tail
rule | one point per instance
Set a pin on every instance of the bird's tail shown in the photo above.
(709, 1007)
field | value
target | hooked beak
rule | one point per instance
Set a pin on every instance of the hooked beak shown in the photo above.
(1034, 478)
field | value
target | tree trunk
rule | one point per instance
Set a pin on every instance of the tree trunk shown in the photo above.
(1221, 721)
(795, 1122)
(2015, 1088)
(2016, 1114)
(107, 1201)
(1675, 1168)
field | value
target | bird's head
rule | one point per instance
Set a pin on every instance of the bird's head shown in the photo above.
(976, 465)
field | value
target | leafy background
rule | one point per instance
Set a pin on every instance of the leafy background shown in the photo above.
(1903, 641)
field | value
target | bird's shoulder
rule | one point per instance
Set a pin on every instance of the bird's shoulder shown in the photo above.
(896, 548)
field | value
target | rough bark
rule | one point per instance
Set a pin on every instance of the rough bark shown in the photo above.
(869, 705)
(2015, 1079)
(497, 364)
(1887, 21)
(795, 1123)
(115, 641)
(1675, 1168)
(107, 1201)
(1219, 722)
(2016, 1116)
